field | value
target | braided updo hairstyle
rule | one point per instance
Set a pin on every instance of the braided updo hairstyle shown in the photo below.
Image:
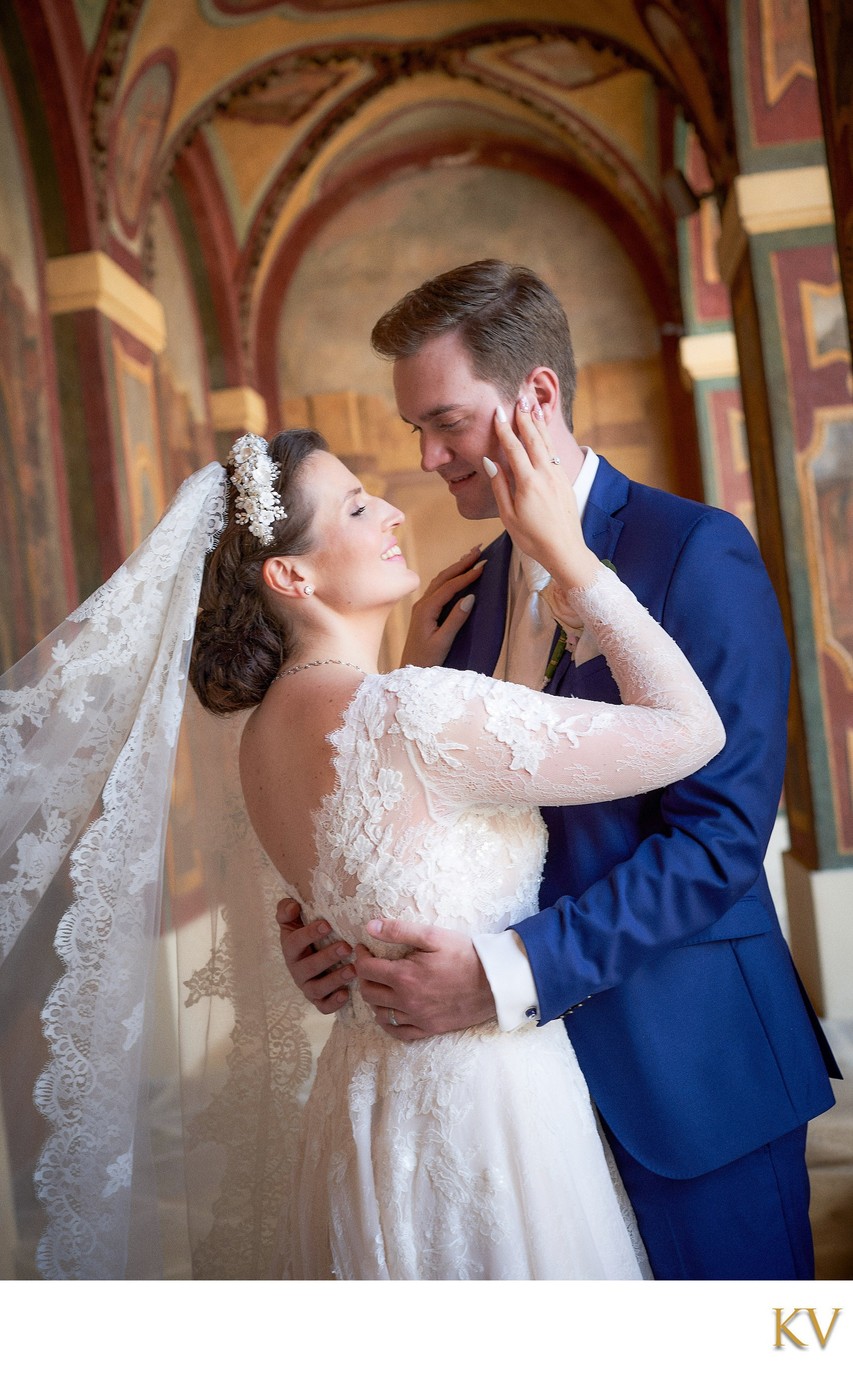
(240, 644)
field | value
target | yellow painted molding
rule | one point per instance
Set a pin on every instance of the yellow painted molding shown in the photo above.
(768, 202)
(95, 282)
(709, 356)
(238, 408)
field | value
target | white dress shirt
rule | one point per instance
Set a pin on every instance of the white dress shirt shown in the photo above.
(526, 649)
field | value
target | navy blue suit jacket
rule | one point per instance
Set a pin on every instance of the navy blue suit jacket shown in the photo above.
(658, 933)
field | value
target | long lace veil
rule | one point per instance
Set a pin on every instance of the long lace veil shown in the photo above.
(153, 1052)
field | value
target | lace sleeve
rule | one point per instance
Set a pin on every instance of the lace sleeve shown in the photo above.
(474, 738)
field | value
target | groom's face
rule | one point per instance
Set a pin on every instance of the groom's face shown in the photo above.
(453, 413)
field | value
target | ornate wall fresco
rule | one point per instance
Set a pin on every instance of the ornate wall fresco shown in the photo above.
(705, 296)
(816, 355)
(135, 142)
(707, 311)
(776, 100)
(40, 586)
(386, 241)
(182, 382)
(804, 383)
(142, 487)
(723, 429)
(90, 14)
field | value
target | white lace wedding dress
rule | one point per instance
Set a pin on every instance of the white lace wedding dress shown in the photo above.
(475, 1154)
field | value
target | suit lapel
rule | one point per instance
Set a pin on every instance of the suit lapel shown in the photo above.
(478, 644)
(601, 527)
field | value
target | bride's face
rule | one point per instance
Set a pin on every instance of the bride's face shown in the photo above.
(355, 561)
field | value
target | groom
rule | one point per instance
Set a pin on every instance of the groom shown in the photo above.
(657, 941)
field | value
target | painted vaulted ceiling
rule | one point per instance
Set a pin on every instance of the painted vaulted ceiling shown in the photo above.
(261, 119)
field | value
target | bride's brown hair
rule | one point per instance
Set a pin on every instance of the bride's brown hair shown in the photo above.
(240, 644)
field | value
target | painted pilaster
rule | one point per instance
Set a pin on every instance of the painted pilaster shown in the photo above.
(708, 350)
(109, 330)
(778, 254)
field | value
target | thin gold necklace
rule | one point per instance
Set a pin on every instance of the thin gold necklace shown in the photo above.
(313, 664)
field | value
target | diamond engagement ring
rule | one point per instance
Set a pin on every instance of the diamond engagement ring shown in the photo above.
(554, 459)
(392, 1019)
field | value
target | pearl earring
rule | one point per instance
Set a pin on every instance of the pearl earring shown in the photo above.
(308, 589)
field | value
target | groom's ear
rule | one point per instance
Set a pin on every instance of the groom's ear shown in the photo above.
(282, 576)
(545, 387)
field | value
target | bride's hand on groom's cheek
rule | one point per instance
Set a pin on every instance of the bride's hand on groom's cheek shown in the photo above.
(314, 962)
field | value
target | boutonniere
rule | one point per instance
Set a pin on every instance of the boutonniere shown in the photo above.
(556, 656)
(580, 643)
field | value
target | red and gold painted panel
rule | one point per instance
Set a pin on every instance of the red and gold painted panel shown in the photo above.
(779, 74)
(817, 365)
(730, 452)
(707, 310)
(144, 498)
(707, 304)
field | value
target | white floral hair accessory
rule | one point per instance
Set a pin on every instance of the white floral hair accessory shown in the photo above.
(258, 505)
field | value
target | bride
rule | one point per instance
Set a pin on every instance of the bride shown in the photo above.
(474, 1155)
(413, 794)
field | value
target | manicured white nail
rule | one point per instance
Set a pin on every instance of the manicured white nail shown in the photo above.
(523, 404)
(491, 469)
(501, 414)
(467, 602)
(538, 412)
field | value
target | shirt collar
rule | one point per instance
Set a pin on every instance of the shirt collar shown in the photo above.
(585, 479)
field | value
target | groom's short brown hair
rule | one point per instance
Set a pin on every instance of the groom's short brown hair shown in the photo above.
(509, 320)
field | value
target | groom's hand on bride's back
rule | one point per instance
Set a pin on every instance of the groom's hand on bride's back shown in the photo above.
(315, 963)
(437, 985)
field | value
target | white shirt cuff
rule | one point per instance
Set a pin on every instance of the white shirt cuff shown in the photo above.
(504, 959)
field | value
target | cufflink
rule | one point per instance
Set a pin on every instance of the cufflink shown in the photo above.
(532, 1014)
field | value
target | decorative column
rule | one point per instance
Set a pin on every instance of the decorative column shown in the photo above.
(708, 351)
(108, 329)
(778, 255)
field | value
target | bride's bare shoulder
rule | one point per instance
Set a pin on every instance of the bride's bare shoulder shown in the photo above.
(297, 716)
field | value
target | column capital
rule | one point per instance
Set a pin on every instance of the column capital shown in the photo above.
(767, 203)
(238, 408)
(95, 282)
(710, 355)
